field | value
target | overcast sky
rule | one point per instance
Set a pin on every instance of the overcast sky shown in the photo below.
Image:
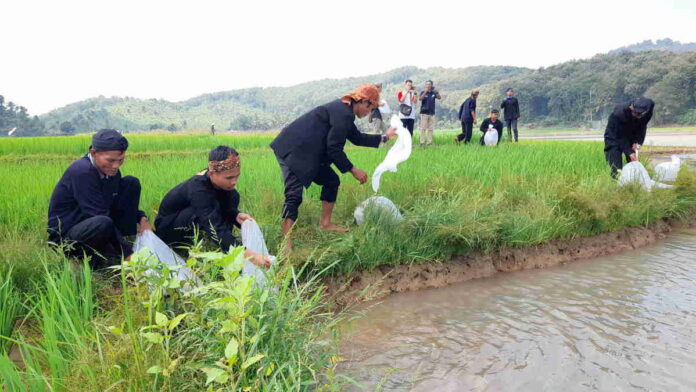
(57, 52)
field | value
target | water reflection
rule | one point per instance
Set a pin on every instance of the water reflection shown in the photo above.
(625, 322)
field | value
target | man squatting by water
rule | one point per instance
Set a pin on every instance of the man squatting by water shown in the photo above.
(93, 207)
(208, 203)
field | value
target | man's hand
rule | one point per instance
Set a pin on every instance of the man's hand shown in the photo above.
(359, 175)
(633, 157)
(242, 217)
(635, 147)
(145, 225)
(391, 133)
(258, 259)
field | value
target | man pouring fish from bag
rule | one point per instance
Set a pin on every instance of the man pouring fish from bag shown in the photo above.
(307, 147)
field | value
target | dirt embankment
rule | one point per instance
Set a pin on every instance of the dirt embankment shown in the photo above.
(384, 280)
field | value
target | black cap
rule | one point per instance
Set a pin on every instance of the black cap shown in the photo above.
(495, 111)
(109, 140)
(641, 105)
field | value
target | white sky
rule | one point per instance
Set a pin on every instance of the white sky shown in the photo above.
(60, 51)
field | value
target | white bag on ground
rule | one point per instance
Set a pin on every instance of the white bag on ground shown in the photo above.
(156, 247)
(376, 205)
(252, 239)
(491, 136)
(635, 172)
(399, 152)
(668, 171)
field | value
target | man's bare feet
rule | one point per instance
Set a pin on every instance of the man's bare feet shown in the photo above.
(333, 227)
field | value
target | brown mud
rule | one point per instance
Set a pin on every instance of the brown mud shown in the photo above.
(387, 279)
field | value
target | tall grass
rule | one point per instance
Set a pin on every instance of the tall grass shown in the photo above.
(10, 302)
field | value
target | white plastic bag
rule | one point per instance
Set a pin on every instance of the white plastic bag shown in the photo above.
(157, 248)
(635, 172)
(668, 171)
(376, 205)
(399, 152)
(384, 108)
(252, 239)
(491, 136)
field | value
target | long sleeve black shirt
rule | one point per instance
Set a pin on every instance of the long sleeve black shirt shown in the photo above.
(624, 130)
(215, 209)
(498, 125)
(511, 108)
(81, 193)
(318, 138)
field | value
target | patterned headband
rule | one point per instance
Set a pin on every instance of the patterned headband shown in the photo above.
(231, 162)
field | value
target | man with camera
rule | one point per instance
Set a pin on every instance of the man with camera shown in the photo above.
(427, 112)
(407, 100)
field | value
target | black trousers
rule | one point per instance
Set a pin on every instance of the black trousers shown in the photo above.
(614, 155)
(101, 237)
(512, 125)
(178, 231)
(409, 123)
(326, 177)
(467, 130)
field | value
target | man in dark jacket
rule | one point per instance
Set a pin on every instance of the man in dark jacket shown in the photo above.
(492, 122)
(467, 114)
(511, 112)
(208, 202)
(307, 147)
(625, 131)
(92, 207)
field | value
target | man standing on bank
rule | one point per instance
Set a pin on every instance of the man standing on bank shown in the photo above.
(407, 104)
(625, 131)
(467, 114)
(427, 112)
(511, 111)
(208, 202)
(307, 147)
(92, 207)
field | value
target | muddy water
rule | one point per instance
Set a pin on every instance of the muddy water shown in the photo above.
(620, 323)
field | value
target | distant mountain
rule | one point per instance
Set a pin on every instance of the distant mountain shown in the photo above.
(570, 93)
(661, 44)
(256, 108)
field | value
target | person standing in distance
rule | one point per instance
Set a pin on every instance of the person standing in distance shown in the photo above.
(407, 102)
(467, 114)
(427, 112)
(511, 111)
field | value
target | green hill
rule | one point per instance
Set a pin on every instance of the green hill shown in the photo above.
(570, 93)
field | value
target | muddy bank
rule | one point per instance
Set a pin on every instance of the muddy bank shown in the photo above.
(384, 280)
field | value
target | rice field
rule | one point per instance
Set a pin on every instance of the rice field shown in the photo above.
(79, 332)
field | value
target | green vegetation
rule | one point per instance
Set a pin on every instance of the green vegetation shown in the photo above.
(136, 332)
(571, 93)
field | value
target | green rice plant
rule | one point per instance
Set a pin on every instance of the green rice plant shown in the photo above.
(9, 309)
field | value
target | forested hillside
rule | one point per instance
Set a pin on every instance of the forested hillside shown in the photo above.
(574, 93)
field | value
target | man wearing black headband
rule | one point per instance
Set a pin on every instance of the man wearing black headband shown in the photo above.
(92, 207)
(625, 131)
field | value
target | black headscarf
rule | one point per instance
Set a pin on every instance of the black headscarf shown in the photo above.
(109, 140)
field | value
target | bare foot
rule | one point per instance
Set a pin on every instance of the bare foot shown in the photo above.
(287, 248)
(334, 228)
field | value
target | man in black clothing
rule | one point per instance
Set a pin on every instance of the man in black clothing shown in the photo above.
(208, 202)
(307, 147)
(492, 122)
(511, 111)
(467, 114)
(92, 207)
(625, 131)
